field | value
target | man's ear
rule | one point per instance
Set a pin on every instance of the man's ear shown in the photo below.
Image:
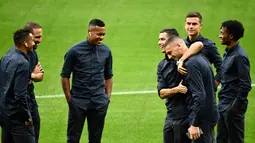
(26, 44)
(201, 25)
(231, 36)
(178, 44)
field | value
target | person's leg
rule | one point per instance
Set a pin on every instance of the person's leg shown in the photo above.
(168, 132)
(36, 122)
(235, 122)
(6, 135)
(222, 130)
(96, 118)
(207, 129)
(76, 119)
(180, 129)
(23, 134)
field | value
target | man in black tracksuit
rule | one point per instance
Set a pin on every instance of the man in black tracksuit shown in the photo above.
(17, 125)
(236, 84)
(90, 63)
(201, 85)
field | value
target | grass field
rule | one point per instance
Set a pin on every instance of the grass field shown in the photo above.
(132, 33)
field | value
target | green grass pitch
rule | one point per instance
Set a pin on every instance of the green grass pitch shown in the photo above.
(132, 34)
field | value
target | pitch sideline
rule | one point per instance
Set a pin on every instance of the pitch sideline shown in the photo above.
(113, 93)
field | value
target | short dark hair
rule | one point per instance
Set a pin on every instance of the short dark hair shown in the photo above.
(96, 22)
(32, 25)
(171, 39)
(20, 36)
(195, 14)
(170, 31)
(234, 28)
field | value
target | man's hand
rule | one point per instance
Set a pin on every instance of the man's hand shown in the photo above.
(181, 88)
(68, 98)
(217, 83)
(194, 132)
(28, 122)
(181, 69)
(38, 68)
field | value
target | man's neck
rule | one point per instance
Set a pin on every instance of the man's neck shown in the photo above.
(22, 49)
(193, 37)
(89, 40)
(232, 44)
(184, 50)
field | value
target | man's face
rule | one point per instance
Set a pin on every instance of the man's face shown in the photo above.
(37, 33)
(29, 43)
(161, 41)
(97, 35)
(173, 51)
(193, 26)
(224, 36)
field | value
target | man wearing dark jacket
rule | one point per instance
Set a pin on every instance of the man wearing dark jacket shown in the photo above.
(170, 88)
(201, 85)
(90, 63)
(236, 84)
(17, 125)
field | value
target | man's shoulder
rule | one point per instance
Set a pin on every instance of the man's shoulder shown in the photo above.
(196, 59)
(166, 64)
(15, 59)
(105, 47)
(165, 61)
(12, 49)
(242, 52)
(82, 44)
(207, 42)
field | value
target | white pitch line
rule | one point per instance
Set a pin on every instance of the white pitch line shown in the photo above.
(114, 93)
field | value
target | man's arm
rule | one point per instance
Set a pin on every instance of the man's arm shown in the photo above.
(243, 70)
(66, 88)
(66, 72)
(37, 74)
(108, 87)
(196, 86)
(21, 79)
(108, 76)
(194, 49)
(163, 90)
(168, 92)
(216, 59)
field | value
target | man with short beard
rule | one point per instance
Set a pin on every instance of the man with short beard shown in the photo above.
(170, 88)
(201, 85)
(36, 74)
(17, 125)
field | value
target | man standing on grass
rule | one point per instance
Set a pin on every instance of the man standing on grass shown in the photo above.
(17, 125)
(90, 63)
(36, 75)
(170, 88)
(201, 84)
(236, 84)
(193, 26)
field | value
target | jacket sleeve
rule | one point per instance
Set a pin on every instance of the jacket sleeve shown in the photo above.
(196, 86)
(21, 81)
(68, 63)
(243, 70)
(108, 67)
